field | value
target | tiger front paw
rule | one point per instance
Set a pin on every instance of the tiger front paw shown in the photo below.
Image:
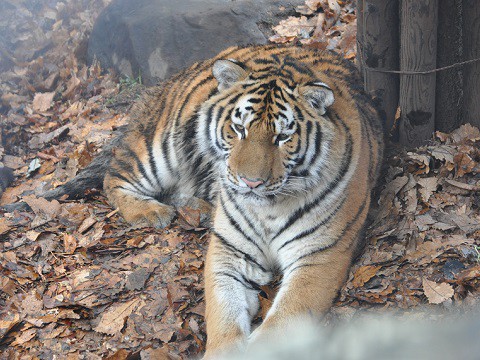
(149, 214)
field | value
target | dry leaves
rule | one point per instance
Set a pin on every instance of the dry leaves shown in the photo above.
(43, 101)
(323, 24)
(437, 293)
(426, 226)
(113, 320)
(76, 279)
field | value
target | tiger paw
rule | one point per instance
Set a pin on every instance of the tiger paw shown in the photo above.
(150, 214)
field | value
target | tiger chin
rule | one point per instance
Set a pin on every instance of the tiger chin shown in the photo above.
(286, 144)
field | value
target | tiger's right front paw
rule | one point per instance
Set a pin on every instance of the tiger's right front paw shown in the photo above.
(149, 214)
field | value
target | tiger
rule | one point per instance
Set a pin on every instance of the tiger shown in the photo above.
(287, 146)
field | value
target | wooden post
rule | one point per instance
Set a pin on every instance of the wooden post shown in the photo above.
(379, 39)
(448, 101)
(471, 43)
(360, 22)
(418, 50)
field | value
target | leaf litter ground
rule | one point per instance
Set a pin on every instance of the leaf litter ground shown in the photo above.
(76, 281)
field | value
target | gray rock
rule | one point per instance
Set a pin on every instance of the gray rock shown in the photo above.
(157, 38)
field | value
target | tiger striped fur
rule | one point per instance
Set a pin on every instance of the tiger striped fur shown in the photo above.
(287, 145)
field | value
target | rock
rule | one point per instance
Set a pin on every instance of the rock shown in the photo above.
(156, 38)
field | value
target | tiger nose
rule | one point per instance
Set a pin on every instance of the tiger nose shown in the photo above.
(252, 184)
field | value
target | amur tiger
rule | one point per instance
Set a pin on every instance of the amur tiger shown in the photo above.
(286, 145)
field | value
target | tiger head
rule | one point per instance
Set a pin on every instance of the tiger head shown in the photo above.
(268, 129)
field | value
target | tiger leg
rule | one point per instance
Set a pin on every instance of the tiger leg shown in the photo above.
(309, 288)
(136, 206)
(231, 300)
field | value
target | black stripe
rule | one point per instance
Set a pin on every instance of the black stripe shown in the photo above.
(232, 248)
(189, 136)
(246, 219)
(342, 234)
(299, 67)
(133, 182)
(298, 113)
(217, 126)
(316, 227)
(252, 283)
(208, 121)
(263, 61)
(345, 165)
(307, 141)
(237, 226)
(166, 150)
(140, 167)
(187, 98)
(299, 144)
(151, 160)
(248, 286)
(318, 148)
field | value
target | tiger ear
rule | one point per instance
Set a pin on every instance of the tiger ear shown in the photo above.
(319, 95)
(228, 72)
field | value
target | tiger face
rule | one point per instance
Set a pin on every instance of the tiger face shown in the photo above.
(262, 129)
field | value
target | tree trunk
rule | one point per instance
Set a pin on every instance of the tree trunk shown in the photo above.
(471, 42)
(379, 49)
(448, 102)
(418, 52)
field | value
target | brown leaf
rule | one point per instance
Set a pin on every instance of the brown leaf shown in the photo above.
(469, 274)
(465, 132)
(437, 293)
(44, 210)
(157, 354)
(294, 26)
(265, 305)
(427, 187)
(69, 243)
(190, 217)
(121, 354)
(24, 337)
(113, 320)
(86, 224)
(5, 226)
(7, 322)
(364, 274)
(464, 164)
(43, 101)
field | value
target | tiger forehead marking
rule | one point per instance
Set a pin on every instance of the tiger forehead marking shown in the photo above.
(279, 115)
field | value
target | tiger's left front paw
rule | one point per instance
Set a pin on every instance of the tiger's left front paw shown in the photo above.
(149, 214)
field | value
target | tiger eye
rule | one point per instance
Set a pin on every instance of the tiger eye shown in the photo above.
(239, 128)
(282, 137)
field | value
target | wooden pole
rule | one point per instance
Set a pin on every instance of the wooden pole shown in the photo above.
(359, 60)
(471, 42)
(418, 50)
(449, 94)
(380, 50)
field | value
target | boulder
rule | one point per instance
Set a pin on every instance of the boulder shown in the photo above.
(154, 39)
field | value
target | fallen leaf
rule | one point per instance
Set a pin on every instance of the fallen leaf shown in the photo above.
(7, 322)
(364, 274)
(113, 320)
(427, 187)
(69, 243)
(43, 101)
(24, 336)
(437, 293)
